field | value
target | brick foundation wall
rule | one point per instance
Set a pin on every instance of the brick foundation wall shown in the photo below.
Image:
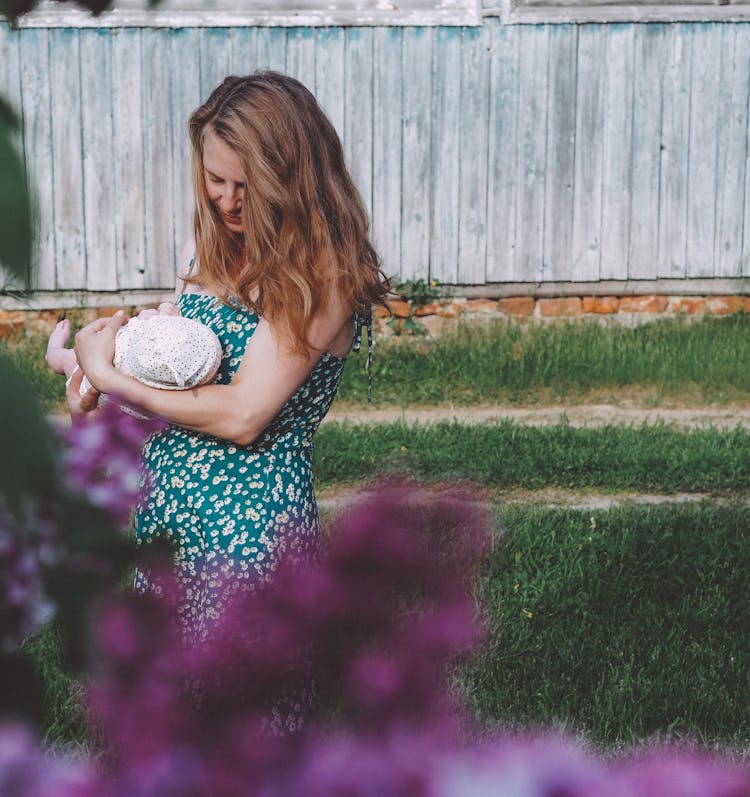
(626, 310)
(440, 315)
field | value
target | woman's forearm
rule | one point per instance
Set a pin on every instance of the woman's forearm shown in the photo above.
(212, 409)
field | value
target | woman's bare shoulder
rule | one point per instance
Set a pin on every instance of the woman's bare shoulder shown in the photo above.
(187, 265)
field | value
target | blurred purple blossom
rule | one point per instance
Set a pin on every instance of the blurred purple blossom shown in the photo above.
(102, 458)
(26, 549)
(373, 625)
(27, 772)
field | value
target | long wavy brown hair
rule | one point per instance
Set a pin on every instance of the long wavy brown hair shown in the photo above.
(305, 240)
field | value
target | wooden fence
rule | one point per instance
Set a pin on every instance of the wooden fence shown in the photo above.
(489, 154)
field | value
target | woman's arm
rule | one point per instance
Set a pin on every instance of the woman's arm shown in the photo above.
(267, 377)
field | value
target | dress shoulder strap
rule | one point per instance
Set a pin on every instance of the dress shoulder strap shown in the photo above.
(365, 321)
(190, 267)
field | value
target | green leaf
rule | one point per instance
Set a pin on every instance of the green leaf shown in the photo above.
(15, 204)
(26, 448)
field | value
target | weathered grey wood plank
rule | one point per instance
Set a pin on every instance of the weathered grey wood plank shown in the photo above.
(10, 90)
(387, 149)
(215, 52)
(417, 148)
(646, 126)
(157, 139)
(100, 205)
(560, 156)
(272, 49)
(587, 192)
(705, 130)
(68, 160)
(128, 158)
(446, 144)
(501, 194)
(186, 97)
(731, 158)
(473, 109)
(300, 56)
(531, 158)
(617, 155)
(243, 58)
(329, 75)
(358, 109)
(674, 155)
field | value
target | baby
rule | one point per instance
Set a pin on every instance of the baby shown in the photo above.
(158, 347)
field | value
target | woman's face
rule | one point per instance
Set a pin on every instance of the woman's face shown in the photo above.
(222, 171)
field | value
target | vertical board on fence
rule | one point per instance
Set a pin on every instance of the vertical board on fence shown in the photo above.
(68, 160)
(157, 142)
(501, 194)
(674, 154)
(272, 49)
(646, 152)
(186, 97)
(416, 209)
(472, 231)
(128, 157)
(300, 56)
(329, 74)
(37, 112)
(587, 191)
(531, 166)
(617, 155)
(387, 150)
(101, 206)
(243, 58)
(705, 130)
(358, 109)
(215, 51)
(446, 148)
(10, 91)
(560, 155)
(731, 164)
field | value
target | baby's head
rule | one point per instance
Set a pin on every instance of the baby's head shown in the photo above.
(168, 351)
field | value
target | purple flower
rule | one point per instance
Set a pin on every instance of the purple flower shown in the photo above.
(102, 458)
(26, 772)
(669, 772)
(26, 549)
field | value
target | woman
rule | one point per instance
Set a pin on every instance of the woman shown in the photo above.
(282, 270)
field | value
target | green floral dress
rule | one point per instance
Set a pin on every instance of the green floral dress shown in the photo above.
(234, 511)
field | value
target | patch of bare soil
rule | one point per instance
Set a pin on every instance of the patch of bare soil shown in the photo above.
(339, 499)
(727, 416)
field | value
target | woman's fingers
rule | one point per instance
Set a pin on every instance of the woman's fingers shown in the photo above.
(95, 347)
(77, 404)
(96, 326)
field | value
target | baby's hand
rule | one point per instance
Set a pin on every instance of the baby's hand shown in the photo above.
(168, 308)
(165, 308)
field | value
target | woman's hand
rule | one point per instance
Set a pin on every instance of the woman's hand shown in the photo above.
(95, 348)
(80, 404)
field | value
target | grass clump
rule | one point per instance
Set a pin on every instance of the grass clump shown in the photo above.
(503, 362)
(64, 720)
(25, 353)
(622, 624)
(504, 454)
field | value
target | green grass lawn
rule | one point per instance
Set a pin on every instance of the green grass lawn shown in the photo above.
(621, 625)
(704, 361)
(624, 625)
(504, 454)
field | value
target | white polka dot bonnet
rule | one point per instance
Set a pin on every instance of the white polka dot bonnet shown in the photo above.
(168, 352)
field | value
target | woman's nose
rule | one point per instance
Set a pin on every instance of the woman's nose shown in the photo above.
(230, 198)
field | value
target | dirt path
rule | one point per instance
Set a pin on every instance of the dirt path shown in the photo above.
(725, 417)
(337, 499)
